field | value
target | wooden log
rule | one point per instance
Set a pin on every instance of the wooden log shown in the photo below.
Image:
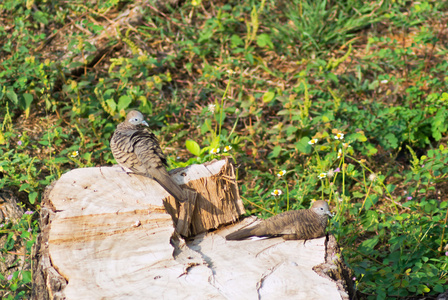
(110, 235)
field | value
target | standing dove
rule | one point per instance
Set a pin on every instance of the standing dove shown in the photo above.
(303, 224)
(138, 150)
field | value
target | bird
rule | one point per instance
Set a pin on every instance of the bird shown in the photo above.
(302, 224)
(137, 150)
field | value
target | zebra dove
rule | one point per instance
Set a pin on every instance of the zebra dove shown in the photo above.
(137, 150)
(303, 224)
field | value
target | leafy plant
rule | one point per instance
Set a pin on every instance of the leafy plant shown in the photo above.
(259, 81)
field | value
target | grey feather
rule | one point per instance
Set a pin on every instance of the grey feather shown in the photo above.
(301, 224)
(137, 150)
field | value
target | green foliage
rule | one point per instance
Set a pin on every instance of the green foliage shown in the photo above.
(20, 236)
(402, 255)
(271, 85)
(314, 26)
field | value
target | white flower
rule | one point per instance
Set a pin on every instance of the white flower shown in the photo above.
(330, 173)
(339, 153)
(74, 154)
(281, 173)
(214, 151)
(372, 177)
(276, 193)
(339, 136)
(211, 108)
(227, 148)
(346, 145)
(313, 141)
(384, 81)
(322, 175)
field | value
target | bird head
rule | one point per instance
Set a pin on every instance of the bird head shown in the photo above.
(321, 208)
(136, 118)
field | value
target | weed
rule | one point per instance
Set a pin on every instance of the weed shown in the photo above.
(337, 100)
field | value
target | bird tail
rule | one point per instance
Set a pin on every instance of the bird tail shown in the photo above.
(240, 234)
(165, 180)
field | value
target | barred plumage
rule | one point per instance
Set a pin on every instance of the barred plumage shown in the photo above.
(137, 150)
(301, 224)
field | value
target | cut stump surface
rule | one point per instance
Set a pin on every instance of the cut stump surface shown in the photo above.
(107, 234)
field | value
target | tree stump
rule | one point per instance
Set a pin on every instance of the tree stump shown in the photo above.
(107, 234)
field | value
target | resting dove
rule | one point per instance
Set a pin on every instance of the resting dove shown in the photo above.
(137, 150)
(303, 224)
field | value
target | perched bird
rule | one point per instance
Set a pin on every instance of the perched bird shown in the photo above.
(137, 150)
(303, 224)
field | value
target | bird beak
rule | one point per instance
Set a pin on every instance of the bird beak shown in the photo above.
(144, 123)
(330, 214)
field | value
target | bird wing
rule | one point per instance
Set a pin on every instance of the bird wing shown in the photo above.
(304, 224)
(283, 223)
(309, 225)
(152, 161)
(146, 146)
(123, 150)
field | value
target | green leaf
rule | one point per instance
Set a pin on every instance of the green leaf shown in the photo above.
(193, 147)
(391, 140)
(358, 195)
(438, 123)
(112, 106)
(291, 130)
(215, 142)
(371, 150)
(359, 136)
(368, 245)
(40, 17)
(236, 41)
(268, 97)
(123, 102)
(250, 58)
(423, 289)
(28, 100)
(29, 244)
(302, 146)
(205, 36)
(25, 235)
(9, 242)
(391, 187)
(275, 152)
(32, 197)
(12, 96)
(14, 287)
(206, 126)
(370, 201)
(26, 276)
(438, 288)
(264, 40)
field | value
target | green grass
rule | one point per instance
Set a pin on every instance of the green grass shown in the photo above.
(264, 78)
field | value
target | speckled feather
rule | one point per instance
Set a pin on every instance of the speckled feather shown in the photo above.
(137, 150)
(301, 224)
